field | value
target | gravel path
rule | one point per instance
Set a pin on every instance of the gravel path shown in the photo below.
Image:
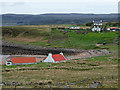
(89, 53)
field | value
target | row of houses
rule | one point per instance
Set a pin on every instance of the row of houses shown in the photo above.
(71, 28)
(53, 58)
(113, 29)
(96, 26)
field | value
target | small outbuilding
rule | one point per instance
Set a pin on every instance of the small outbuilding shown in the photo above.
(74, 27)
(21, 61)
(55, 58)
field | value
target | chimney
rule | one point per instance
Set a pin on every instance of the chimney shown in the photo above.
(61, 53)
(50, 54)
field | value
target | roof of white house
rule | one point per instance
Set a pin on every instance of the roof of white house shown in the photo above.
(97, 22)
(56, 57)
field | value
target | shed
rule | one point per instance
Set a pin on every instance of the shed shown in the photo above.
(21, 61)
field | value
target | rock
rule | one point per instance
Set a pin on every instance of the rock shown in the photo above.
(104, 52)
(40, 83)
(30, 83)
(13, 83)
(104, 43)
(2, 84)
(19, 83)
(67, 86)
(70, 83)
(58, 84)
(95, 85)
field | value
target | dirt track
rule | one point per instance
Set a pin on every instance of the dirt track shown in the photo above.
(89, 53)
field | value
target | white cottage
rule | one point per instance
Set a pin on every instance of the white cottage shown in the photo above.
(97, 26)
(55, 58)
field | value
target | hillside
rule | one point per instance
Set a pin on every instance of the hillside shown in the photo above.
(81, 70)
(45, 19)
(42, 35)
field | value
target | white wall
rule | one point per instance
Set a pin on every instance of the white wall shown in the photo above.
(49, 58)
(8, 64)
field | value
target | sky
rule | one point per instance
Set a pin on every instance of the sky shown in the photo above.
(58, 6)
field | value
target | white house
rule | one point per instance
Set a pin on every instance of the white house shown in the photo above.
(97, 26)
(55, 58)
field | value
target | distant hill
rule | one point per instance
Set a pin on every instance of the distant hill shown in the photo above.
(46, 19)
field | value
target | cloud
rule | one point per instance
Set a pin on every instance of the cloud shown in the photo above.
(12, 3)
(51, 7)
(60, 1)
(19, 3)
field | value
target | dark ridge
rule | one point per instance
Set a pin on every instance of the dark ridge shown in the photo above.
(55, 18)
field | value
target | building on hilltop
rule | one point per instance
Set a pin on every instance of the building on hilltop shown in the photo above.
(97, 26)
(74, 27)
(21, 61)
(55, 58)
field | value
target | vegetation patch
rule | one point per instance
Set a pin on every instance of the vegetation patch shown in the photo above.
(45, 37)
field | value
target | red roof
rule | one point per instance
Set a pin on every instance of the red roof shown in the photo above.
(58, 57)
(113, 27)
(44, 58)
(24, 60)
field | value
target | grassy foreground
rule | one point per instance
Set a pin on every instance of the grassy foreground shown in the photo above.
(79, 73)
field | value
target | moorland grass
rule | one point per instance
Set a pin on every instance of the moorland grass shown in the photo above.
(55, 38)
(81, 72)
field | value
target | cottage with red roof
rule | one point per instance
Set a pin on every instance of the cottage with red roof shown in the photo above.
(21, 61)
(55, 58)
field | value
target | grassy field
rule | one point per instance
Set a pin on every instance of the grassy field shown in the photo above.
(78, 73)
(87, 41)
(26, 34)
(42, 35)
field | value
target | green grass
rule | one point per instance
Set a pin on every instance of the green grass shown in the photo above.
(16, 66)
(89, 40)
(39, 43)
(15, 31)
(103, 58)
(82, 72)
(32, 35)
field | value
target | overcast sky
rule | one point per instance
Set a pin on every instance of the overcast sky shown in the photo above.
(59, 6)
